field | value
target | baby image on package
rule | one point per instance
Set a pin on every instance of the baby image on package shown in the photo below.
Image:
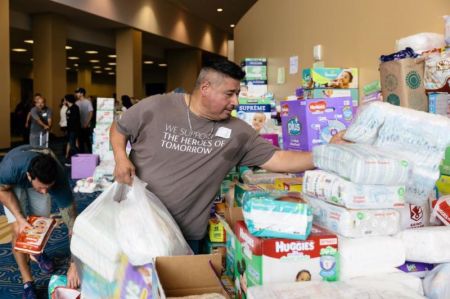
(258, 116)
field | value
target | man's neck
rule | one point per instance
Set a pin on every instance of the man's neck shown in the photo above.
(192, 101)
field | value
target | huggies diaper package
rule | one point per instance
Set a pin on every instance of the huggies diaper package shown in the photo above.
(334, 189)
(354, 223)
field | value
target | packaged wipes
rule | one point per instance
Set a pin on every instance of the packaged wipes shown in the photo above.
(277, 215)
(362, 164)
(334, 189)
(355, 223)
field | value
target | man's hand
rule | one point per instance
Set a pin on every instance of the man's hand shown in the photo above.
(339, 138)
(73, 281)
(124, 171)
(22, 224)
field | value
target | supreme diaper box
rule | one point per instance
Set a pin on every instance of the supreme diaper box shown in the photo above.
(255, 68)
(256, 115)
(261, 261)
(330, 77)
(307, 123)
(318, 93)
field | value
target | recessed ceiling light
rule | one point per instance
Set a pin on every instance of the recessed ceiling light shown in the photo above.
(220, 9)
(162, 64)
(67, 68)
(28, 41)
(112, 56)
(75, 64)
(98, 72)
(68, 48)
(111, 63)
(31, 59)
(232, 25)
(108, 68)
(111, 73)
(148, 62)
(73, 58)
(94, 60)
(91, 52)
(18, 50)
(96, 67)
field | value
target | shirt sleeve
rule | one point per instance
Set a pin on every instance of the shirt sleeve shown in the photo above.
(49, 113)
(34, 114)
(258, 151)
(131, 122)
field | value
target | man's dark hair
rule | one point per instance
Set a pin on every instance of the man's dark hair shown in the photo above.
(70, 98)
(44, 168)
(222, 66)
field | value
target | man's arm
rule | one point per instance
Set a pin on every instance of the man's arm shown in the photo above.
(68, 216)
(88, 120)
(289, 161)
(124, 170)
(9, 200)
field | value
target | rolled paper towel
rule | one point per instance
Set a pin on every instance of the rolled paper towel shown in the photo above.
(369, 256)
(427, 244)
(354, 223)
(362, 164)
(334, 189)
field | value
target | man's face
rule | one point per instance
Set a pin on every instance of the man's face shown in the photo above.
(220, 98)
(39, 102)
(39, 186)
(78, 95)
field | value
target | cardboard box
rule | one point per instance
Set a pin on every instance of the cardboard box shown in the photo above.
(261, 261)
(307, 123)
(179, 276)
(258, 116)
(327, 77)
(318, 93)
(289, 184)
(402, 83)
(252, 89)
(83, 165)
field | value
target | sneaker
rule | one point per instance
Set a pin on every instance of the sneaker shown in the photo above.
(45, 263)
(67, 163)
(29, 291)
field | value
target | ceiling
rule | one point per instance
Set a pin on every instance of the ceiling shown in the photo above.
(233, 10)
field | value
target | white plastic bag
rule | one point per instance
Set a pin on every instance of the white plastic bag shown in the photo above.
(144, 227)
(436, 283)
(421, 42)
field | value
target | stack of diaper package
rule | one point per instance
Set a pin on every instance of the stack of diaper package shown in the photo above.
(418, 140)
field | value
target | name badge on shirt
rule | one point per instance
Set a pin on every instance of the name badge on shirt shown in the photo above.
(223, 132)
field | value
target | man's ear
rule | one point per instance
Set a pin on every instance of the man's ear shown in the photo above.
(204, 87)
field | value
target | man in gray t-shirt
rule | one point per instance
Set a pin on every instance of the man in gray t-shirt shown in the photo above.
(86, 113)
(184, 145)
(40, 120)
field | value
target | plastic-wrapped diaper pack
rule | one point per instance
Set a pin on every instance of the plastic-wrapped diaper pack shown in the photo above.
(277, 215)
(427, 244)
(436, 283)
(253, 178)
(361, 164)
(355, 223)
(370, 255)
(334, 189)
(418, 137)
(413, 216)
(364, 287)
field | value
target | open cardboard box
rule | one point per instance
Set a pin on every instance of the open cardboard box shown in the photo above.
(180, 276)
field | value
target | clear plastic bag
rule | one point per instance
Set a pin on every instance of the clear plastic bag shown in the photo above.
(144, 227)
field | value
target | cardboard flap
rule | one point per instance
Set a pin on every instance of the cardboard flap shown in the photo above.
(189, 273)
(233, 215)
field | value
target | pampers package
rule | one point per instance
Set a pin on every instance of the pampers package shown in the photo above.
(318, 93)
(334, 189)
(277, 214)
(261, 261)
(330, 77)
(355, 223)
(307, 123)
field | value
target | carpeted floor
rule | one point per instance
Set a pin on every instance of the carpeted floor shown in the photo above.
(58, 249)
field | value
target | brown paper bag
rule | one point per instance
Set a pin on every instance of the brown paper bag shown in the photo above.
(402, 83)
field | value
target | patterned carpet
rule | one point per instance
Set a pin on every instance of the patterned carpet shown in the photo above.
(11, 286)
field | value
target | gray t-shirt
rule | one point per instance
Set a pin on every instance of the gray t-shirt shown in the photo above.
(85, 106)
(44, 115)
(184, 168)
